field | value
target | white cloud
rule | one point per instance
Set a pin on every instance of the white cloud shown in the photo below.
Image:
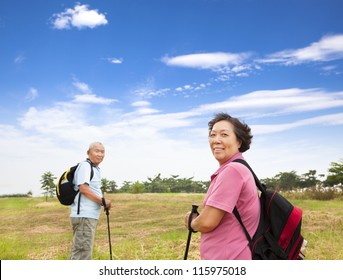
(186, 89)
(52, 120)
(148, 91)
(80, 17)
(206, 60)
(19, 59)
(228, 65)
(87, 96)
(141, 103)
(31, 95)
(276, 102)
(144, 142)
(143, 108)
(93, 99)
(114, 60)
(83, 87)
(327, 49)
(325, 120)
(329, 68)
(201, 86)
(146, 111)
(261, 103)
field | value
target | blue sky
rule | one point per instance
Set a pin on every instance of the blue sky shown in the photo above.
(145, 77)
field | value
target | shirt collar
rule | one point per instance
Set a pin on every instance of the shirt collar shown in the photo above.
(235, 156)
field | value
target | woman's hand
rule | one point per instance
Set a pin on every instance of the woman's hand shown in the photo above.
(188, 216)
(207, 221)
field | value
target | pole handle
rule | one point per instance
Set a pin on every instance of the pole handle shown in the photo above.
(104, 204)
(194, 211)
(190, 230)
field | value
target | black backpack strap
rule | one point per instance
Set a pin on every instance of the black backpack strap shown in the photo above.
(236, 213)
(260, 186)
(78, 204)
(92, 165)
(92, 174)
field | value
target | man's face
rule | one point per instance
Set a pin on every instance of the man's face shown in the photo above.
(96, 154)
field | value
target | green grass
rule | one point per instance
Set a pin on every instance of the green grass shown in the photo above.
(143, 227)
(323, 228)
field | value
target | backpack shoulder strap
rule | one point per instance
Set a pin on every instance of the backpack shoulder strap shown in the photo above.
(238, 217)
(92, 165)
(260, 186)
(92, 174)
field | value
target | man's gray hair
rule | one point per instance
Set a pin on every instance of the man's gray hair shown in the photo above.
(91, 146)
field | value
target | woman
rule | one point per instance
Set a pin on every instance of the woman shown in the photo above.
(222, 236)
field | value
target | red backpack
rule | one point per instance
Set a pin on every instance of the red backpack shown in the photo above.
(278, 235)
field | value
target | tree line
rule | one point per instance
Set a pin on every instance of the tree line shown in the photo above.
(283, 181)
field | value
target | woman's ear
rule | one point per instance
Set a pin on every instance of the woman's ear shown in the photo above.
(239, 143)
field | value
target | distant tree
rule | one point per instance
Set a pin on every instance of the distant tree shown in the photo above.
(48, 185)
(182, 185)
(200, 186)
(309, 179)
(286, 181)
(108, 186)
(126, 187)
(203, 186)
(271, 183)
(137, 187)
(335, 176)
(112, 187)
(154, 185)
(175, 184)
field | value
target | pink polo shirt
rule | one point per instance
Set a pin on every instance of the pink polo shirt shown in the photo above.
(232, 184)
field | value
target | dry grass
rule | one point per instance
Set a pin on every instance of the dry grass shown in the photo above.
(143, 226)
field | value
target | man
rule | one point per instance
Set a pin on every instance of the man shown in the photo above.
(85, 213)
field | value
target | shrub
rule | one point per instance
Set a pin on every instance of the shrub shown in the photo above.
(316, 193)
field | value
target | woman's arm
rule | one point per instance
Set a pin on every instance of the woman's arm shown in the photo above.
(208, 219)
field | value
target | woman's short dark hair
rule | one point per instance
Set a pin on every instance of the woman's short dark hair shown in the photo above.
(241, 129)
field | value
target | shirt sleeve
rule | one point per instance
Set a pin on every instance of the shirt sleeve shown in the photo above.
(82, 174)
(226, 189)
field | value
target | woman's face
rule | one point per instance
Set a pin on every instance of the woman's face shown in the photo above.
(223, 141)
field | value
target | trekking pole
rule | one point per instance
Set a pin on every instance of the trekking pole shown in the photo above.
(194, 211)
(108, 226)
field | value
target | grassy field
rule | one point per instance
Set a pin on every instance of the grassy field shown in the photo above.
(143, 227)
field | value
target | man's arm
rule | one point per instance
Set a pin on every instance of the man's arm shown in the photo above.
(87, 192)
